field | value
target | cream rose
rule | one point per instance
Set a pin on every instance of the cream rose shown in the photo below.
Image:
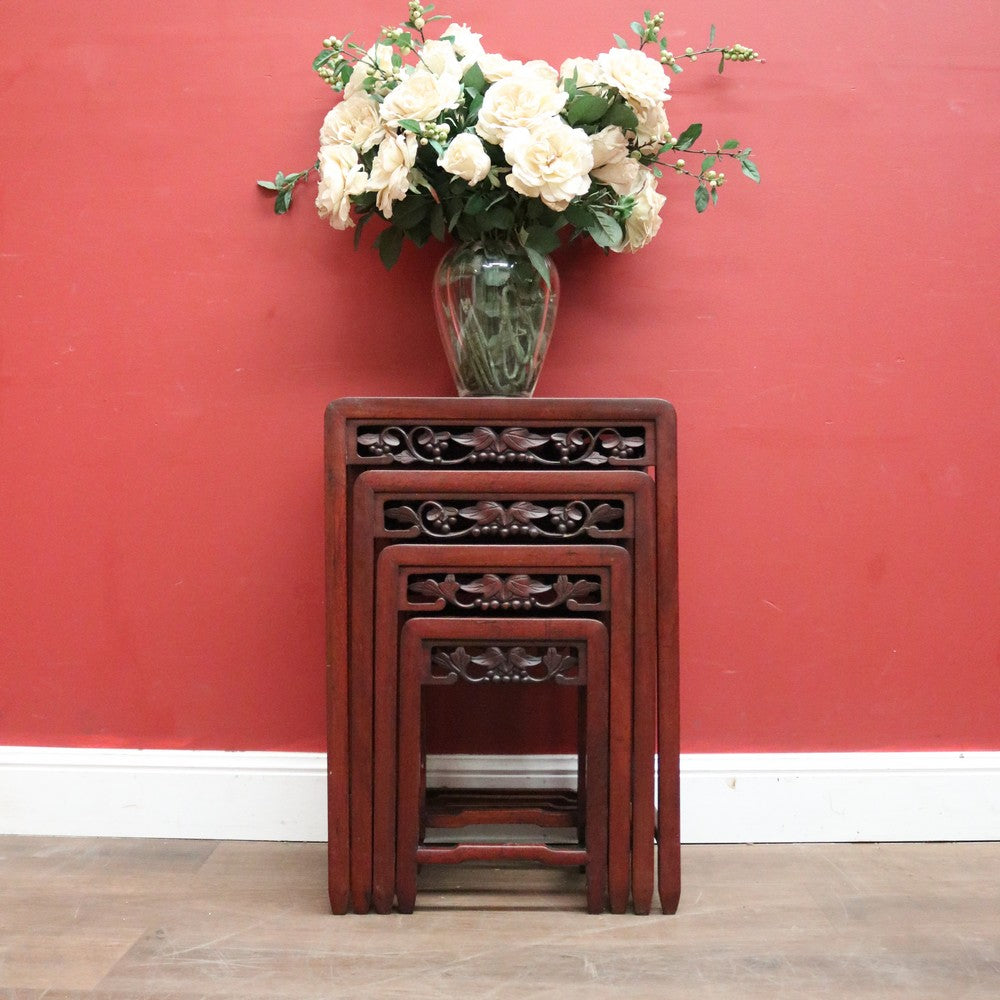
(354, 121)
(439, 57)
(612, 164)
(641, 80)
(422, 96)
(644, 222)
(340, 176)
(519, 101)
(653, 126)
(390, 174)
(550, 160)
(466, 42)
(376, 62)
(495, 67)
(588, 73)
(466, 158)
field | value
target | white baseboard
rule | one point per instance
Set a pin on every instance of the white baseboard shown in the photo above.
(725, 798)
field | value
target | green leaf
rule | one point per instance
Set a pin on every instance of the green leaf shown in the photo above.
(722, 63)
(390, 244)
(731, 144)
(621, 115)
(605, 230)
(270, 185)
(410, 210)
(362, 222)
(711, 36)
(687, 138)
(579, 215)
(409, 124)
(542, 240)
(701, 198)
(539, 263)
(638, 29)
(438, 227)
(474, 80)
(620, 42)
(323, 58)
(707, 163)
(750, 169)
(283, 202)
(585, 109)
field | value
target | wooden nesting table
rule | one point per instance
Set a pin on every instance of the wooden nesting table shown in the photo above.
(512, 510)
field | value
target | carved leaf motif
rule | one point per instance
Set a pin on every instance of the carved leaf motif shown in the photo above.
(388, 437)
(523, 512)
(583, 588)
(578, 437)
(521, 660)
(522, 585)
(405, 515)
(440, 513)
(489, 586)
(405, 458)
(447, 588)
(609, 438)
(491, 658)
(594, 459)
(481, 439)
(520, 439)
(603, 513)
(485, 512)
(571, 512)
(556, 663)
(455, 662)
(633, 442)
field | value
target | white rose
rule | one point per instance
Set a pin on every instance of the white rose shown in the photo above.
(465, 41)
(588, 73)
(390, 175)
(518, 101)
(612, 164)
(376, 62)
(466, 158)
(494, 67)
(653, 126)
(340, 176)
(439, 57)
(644, 222)
(422, 97)
(641, 80)
(541, 69)
(354, 121)
(550, 160)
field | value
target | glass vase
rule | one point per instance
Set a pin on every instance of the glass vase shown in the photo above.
(495, 313)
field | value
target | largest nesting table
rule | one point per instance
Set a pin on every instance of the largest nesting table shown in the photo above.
(527, 474)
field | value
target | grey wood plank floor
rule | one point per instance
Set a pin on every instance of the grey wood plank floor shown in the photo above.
(184, 920)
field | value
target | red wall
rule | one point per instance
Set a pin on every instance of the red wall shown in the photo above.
(167, 348)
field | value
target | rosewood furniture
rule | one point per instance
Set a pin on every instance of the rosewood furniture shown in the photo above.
(594, 580)
(569, 651)
(547, 465)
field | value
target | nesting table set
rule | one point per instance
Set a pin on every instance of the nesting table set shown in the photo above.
(493, 542)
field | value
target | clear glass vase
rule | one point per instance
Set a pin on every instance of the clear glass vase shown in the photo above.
(495, 314)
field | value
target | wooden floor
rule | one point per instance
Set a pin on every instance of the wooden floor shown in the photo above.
(179, 920)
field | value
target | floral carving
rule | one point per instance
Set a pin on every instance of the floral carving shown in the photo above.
(493, 519)
(518, 592)
(496, 664)
(605, 446)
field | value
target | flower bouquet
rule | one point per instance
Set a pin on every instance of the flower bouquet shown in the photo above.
(438, 136)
